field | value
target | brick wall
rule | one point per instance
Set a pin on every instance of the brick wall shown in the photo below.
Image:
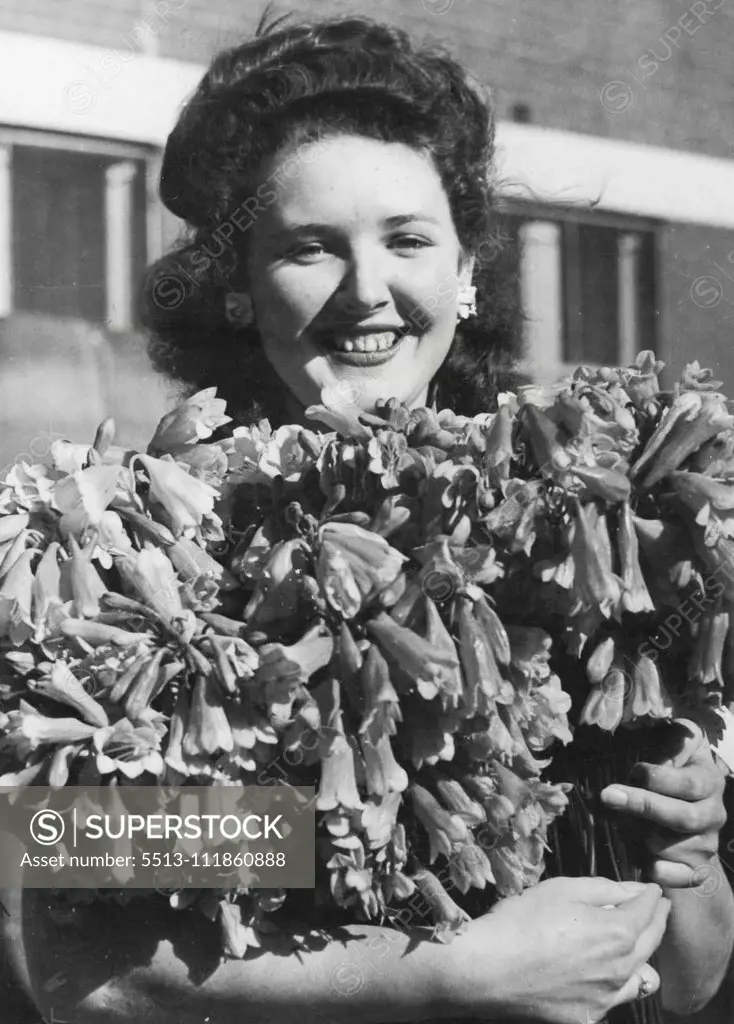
(658, 60)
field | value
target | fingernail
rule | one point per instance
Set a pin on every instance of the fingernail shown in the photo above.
(615, 797)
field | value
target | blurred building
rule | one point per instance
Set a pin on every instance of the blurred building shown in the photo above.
(617, 177)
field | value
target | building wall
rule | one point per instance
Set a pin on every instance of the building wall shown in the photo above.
(637, 71)
(622, 69)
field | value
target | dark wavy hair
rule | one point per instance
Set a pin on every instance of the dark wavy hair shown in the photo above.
(296, 82)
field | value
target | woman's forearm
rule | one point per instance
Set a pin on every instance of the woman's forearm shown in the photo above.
(369, 978)
(131, 968)
(693, 957)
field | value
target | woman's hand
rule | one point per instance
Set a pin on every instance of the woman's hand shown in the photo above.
(682, 802)
(565, 951)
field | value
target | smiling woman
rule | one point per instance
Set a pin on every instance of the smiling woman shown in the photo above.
(365, 164)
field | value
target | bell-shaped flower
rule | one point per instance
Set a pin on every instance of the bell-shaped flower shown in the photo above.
(493, 741)
(648, 695)
(470, 867)
(206, 462)
(449, 920)
(277, 592)
(491, 623)
(636, 597)
(380, 699)
(237, 935)
(711, 500)
(15, 600)
(193, 562)
(87, 588)
(549, 718)
(130, 749)
(546, 443)
(193, 420)
(26, 730)
(178, 764)
(508, 868)
(62, 685)
(354, 565)
(443, 828)
(389, 455)
(282, 667)
(154, 581)
(600, 660)
(705, 662)
(451, 692)
(603, 482)
(350, 879)
(84, 496)
(244, 449)
(111, 538)
(483, 679)
(595, 585)
(418, 659)
(604, 705)
(69, 458)
(338, 784)
(339, 417)
(285, 456)
(383, 774)
(379, 818)
(11, 526)
(693, 418)
(208, 729)
(147, 684)
(455, 798)
(186, 500)
(27, 487)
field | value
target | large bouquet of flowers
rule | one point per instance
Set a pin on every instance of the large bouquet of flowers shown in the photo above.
(417, 613)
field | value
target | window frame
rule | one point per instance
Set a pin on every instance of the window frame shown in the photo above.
(631, 338)
(120, 245)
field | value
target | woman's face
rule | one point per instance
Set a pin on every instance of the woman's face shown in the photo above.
(354, 269)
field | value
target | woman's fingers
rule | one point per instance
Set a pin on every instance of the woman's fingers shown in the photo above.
(683, 849)
(645, 914)
(644, 982)
(602, 892)
(644, 979)
(697, 781)
(688, 816)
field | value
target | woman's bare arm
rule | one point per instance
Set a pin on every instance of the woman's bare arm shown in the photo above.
(553, 954)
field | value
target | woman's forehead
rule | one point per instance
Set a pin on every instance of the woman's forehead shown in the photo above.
(355, 178)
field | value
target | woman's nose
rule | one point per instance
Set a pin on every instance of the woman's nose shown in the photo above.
(365, 285)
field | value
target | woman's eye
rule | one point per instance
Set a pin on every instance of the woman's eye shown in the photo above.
(306, 253)
(410, 242)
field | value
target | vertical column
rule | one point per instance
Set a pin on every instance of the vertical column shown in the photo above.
(163, 228)
(628, 265)
(119, 247)
(6, 230)
(541, 290)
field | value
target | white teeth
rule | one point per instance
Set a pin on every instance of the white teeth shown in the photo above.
(367, 342)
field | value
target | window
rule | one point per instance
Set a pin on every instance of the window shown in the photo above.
(78, 239)
(587, 286)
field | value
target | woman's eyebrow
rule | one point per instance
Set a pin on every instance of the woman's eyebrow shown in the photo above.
(313, 227)
(407, 218)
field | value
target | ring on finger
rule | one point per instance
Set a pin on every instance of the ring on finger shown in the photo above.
(646, 988)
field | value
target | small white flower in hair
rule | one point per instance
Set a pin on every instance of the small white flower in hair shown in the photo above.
(467, 302)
